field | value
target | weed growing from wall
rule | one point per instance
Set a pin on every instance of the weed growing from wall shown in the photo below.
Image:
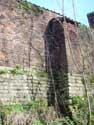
(3, 71)
(34, 72)
(29, 6)
(25, 5)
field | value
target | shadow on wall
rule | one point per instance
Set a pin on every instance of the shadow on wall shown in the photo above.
(57, 66)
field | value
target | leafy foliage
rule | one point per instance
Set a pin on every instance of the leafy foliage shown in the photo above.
(40, 114)
(80, 112)
(16, 70)
(78, 101)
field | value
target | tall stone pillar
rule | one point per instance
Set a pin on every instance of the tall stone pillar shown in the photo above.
(91, 19)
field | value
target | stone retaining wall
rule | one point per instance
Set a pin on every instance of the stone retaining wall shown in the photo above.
(22, 87)
(76, 86)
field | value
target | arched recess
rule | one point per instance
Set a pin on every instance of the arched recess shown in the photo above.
(57, 65)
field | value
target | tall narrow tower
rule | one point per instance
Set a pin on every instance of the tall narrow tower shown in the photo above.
(91, 19)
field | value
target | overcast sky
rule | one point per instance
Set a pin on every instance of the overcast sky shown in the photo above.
(82, 7)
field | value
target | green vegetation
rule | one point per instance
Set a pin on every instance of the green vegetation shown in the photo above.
(78, 101)
(10, 109)
(19, 71)
(80, 111)
(15, 71)
(38, 111)
(40, 114)
(3, 71)
(29, 6)
(25, 5)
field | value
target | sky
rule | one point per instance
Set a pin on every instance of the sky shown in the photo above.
(82, 7)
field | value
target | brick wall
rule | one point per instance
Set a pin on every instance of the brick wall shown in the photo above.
(21, 36)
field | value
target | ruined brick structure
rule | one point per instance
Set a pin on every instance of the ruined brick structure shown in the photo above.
(21, 31)
(40, 39)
